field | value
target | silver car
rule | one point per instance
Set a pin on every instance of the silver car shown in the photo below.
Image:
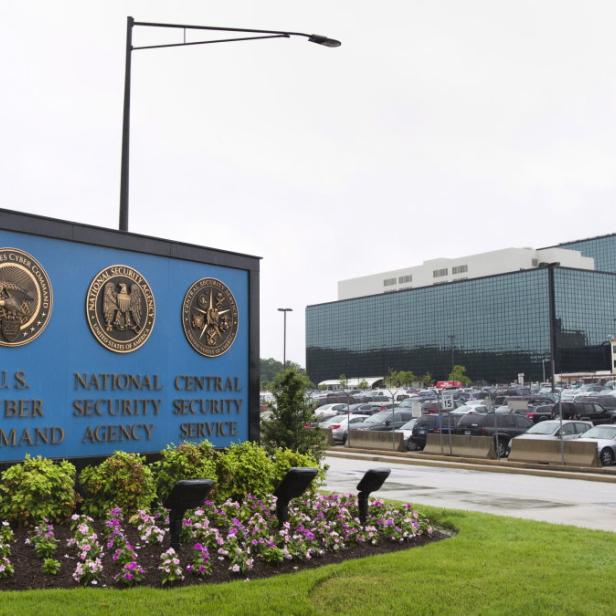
(340, 430)
(550, 430)
(605, 437)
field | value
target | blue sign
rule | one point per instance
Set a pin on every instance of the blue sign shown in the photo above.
(105, 349)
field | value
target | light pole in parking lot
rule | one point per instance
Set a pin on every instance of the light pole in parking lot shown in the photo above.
(229, 35)
(452, 339)
(544, 361)
(284, 335)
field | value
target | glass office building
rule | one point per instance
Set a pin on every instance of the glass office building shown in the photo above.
(497, 326)
(601, 249)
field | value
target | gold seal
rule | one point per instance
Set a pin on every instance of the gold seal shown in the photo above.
(209, 317)
(26, 297)
(120, 308)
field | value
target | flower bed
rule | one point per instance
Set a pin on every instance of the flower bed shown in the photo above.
(220, 542)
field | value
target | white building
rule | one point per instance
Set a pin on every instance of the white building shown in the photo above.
(438, 271)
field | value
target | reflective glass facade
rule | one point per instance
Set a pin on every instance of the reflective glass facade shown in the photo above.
(585, 307)
(497, 327)
(602, 249)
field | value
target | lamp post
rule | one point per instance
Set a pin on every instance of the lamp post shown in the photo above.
(543, 363)
(284, 335)
(130, 24)
(452, 338)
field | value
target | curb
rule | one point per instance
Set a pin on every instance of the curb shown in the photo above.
(487, 466)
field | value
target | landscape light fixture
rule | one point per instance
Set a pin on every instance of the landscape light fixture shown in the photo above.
(371, 482)
(186, 494)
(294, 484)
(234, 32)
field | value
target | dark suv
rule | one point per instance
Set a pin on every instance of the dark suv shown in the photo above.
(503, 427)
(538, 413)
(384, 421)
(432, 423)
(590, 411)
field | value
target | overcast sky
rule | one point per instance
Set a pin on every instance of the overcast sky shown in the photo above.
(439, 128)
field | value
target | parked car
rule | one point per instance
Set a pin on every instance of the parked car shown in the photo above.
(591, 389)
(444, 423)
(366, 408)
(407, 431)
(590, 411)
(550, 430)
(502, 427)
(386, 420)
(607, 401)
(605, 437)
(465, 408)
(329, 410)
(335, 397)
(539, 413)
(334, 419)
(340, 430)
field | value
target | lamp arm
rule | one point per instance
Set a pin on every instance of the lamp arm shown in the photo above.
(231, 40)
(219, 28)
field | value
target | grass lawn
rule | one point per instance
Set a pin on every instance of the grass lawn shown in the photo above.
(494, 565)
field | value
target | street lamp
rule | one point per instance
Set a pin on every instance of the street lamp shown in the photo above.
(130, 24)
(543, 363)
(452, 338)
(284, 335)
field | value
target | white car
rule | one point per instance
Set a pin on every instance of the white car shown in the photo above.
(407, 430)
(329, 410)
(465, 408)
(605, 437)
(567, 395)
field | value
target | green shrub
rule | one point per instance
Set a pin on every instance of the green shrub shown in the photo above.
(184, 461)
(122, 480)
(284, 459)
(244, 468)
(292, 411)
(51, 566)
(38, 488)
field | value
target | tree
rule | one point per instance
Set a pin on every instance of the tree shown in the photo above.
(458, 373)
(291, 414)
(270, 368)
(426, 379)
(400, 378)
(363, 384)
(344, 382)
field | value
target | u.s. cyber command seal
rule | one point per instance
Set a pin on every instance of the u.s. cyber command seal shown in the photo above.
(26, 297)
(120, 308)
(209, 317)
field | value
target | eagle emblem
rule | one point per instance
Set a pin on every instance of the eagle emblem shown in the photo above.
(120, 308)
(25, 297)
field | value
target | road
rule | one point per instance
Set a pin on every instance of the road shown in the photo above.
(587, 504)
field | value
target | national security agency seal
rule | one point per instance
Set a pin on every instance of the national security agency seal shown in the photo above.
(209, 317)
(120, 308)
(26, 297)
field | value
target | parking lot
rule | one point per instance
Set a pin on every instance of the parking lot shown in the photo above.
(538, 423)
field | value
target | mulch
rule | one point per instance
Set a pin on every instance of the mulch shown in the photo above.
(28, 574)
